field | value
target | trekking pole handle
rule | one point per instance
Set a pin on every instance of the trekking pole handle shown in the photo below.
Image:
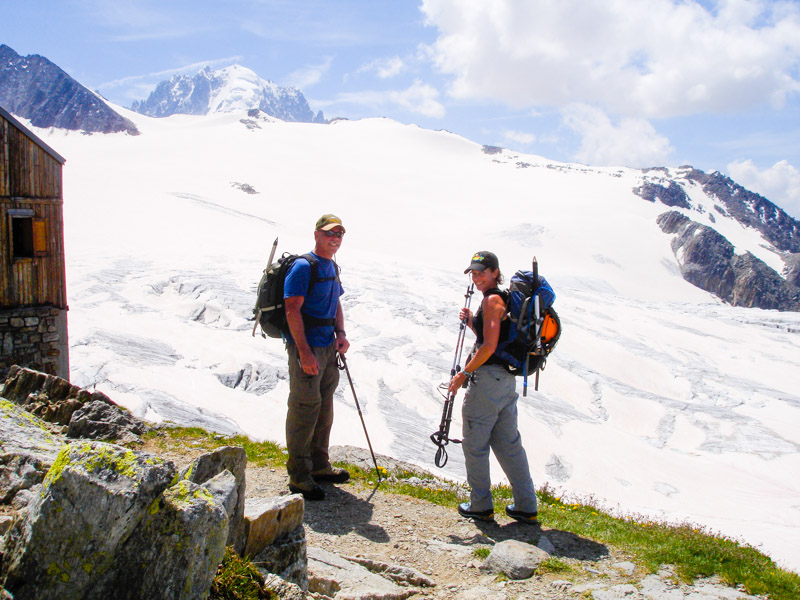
(272, 252)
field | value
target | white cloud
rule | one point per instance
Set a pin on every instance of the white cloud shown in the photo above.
(780, 183)
(307, 76)
(651, 59)
(418, 98)
(519, 137)
(385, 68)
(632, 142)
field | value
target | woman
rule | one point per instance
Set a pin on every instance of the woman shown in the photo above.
(490, 407)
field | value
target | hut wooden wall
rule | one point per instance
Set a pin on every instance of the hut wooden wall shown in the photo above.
(26, 169)
(30, 178)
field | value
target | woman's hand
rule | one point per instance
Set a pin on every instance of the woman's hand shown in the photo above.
(456, 382)
(465, 314)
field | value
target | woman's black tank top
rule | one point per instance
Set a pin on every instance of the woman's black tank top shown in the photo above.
(477, 324)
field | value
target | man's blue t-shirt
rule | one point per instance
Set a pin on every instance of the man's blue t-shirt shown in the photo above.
(321, 301)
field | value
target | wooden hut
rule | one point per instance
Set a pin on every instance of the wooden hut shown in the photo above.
(33, 287)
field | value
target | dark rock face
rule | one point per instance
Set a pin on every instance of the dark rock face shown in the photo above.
(671, 195)
(194, 95)
(34, 88)
(751, 210)
(707, 260)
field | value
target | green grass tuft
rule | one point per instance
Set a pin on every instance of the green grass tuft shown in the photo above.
(260, 454)
(238, 579)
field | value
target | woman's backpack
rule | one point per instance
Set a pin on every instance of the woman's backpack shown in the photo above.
(535, 327)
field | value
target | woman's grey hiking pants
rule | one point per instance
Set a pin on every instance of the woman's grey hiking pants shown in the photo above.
(490, 421)
(309, 417)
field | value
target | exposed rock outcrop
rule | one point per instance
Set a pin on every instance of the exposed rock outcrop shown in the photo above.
(707, 260)
(90, 415)
(34, 88)
(669, 195)
(751, 209)
(211, 91)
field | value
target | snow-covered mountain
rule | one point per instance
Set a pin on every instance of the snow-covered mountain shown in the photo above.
(234, 88)
(34, 88)
(660, 399)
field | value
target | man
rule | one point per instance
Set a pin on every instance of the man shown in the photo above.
(316, 324)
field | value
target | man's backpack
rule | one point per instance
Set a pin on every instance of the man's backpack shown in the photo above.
(535, 327)
(270, 308)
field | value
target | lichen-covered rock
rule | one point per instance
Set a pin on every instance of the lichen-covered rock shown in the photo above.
(27, 450)
(91, 500)
(211, 464)
(223, 489)
(173, 554)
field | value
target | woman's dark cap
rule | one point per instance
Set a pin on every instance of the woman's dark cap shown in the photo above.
(483, 260)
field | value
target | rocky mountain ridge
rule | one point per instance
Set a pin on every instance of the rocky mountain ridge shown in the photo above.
(230, 89)
(34, 88)
(707, 259)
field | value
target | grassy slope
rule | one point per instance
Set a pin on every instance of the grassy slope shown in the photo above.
(693, 551)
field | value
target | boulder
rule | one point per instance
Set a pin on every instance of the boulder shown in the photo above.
(92, 499)
(99, 420)
(27, 450)
(173, 554)
(286, 557)
(516, 559)
(223, 489)
(211, 464)
(267, 519)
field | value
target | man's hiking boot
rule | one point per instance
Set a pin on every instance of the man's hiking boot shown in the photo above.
(522, 516)
(331, 474)
(479, 515)
(309, 489)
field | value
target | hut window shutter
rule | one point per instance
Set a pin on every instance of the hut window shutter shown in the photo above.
(40, 237)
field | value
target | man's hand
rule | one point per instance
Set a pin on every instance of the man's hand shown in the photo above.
(308, 362)
(342, 344)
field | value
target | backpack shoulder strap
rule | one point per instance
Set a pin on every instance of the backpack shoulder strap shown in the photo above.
(314, 264)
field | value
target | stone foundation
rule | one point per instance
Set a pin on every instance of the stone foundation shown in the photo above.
(34, 337)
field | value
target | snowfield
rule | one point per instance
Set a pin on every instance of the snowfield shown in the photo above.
(659, 400)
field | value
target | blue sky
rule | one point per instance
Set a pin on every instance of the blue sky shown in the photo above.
(712, 84)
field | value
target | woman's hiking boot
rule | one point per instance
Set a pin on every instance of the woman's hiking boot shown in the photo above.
(522, 516)
(479, 515)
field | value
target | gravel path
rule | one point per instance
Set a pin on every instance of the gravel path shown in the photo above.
(359, 521)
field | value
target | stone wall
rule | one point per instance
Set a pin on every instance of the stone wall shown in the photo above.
(34, 337)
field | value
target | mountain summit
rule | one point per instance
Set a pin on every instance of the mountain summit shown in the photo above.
(230, 89)
(34, 88)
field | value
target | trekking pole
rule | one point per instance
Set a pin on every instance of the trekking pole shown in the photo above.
(441, 437)
(537, 331)
(342, 364)
(269, 262)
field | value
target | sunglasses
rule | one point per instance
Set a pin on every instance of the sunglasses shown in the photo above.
(332, 233)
